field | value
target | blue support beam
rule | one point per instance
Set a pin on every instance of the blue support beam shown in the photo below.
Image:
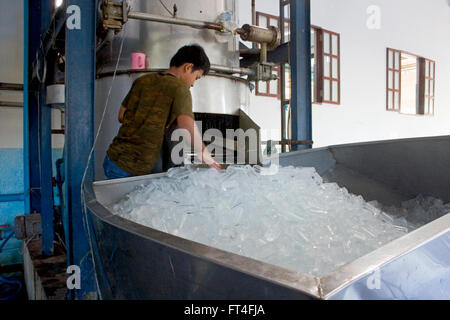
(80, 81)
(45, 148)
(300, 60)
(32, 185)
(12, 197)
(26, 121)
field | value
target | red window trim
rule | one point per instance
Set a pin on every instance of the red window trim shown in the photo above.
(421, 85)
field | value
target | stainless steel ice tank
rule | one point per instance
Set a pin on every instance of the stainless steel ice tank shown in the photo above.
(137, 262)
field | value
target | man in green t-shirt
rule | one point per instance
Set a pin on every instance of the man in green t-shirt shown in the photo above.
(155, 103)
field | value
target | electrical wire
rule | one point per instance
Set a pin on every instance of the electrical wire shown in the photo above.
(166, 8)
(11, 281)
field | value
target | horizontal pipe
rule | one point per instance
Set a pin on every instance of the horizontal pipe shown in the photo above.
(231, 70)
(12, 197)
(179, 21)
(11, 104)
(11, 86)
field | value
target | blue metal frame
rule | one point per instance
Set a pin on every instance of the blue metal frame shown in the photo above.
(26, 139)
(12, 197)
(300, 61)
(32, 185)
(80, 82)
(45, 148)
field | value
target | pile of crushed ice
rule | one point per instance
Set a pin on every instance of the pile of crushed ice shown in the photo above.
(290, 218)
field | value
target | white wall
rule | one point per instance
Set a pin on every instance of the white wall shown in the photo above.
(417, 26)
(11, 71)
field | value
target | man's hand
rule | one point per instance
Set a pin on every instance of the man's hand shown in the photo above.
(208, 159)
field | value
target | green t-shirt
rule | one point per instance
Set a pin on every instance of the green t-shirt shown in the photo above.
(152, 105)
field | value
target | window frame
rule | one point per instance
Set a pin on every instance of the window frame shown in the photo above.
(422, 96)
(321, 55)
(276, 69)
(394, 71)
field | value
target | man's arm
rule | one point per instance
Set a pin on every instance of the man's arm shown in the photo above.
(186, 122)
(121, 113)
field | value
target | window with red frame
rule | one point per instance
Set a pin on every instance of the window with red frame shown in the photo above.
(268, 88)
(410, 83)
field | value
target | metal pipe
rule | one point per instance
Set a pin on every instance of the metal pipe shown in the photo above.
(178, 21)
(11, 104)
(11, 86)
(263, 53)
(231, 70)
(253, 20)
(12, 197)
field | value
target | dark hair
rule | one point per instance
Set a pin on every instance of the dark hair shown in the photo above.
(191, 54)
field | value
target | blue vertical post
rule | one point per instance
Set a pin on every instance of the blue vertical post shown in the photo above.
(300, 60)
(80, 81)
(31, 118)
(26, 138)
(45, 147)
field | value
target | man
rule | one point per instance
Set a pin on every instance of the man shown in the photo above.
(154, 104)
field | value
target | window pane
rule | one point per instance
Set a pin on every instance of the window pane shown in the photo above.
(335, 91)
(287, 77)
(408, 84)
(390, 80)
(427, 68)
(287, 31)
(432, 88)
(396, 80)
(427, 87)
(273, 85)
(390, 99)
(427, 106)
(396, 100)
(274, 22)
(432, 69)
(313, 43)
(326, 90)
(397, 60)
(335, 68)
(262, 21)
(326, 42)
(287, 11)
(262, 87)
(326, 66)
(391, 59)
(334, 44)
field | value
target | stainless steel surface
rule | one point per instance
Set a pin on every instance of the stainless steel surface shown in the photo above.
(55, 94)
(161, 41)
(155, 264)
(232, 70)
(211, 94)
(177, 21)
(270, 36)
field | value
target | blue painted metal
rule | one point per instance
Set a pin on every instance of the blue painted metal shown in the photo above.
(300, 60)
(12, 197)
(45, 152)
(31, 141)
(80, 82)
(26, 138)
(421, 274)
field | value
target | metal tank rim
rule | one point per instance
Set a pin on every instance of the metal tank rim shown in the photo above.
(318, 287)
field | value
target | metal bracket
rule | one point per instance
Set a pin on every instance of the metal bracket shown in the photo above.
(262, 72)
(115, 15)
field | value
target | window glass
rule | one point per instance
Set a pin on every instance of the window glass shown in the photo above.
(334, 45)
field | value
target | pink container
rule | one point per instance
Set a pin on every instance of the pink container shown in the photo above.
(138, 60)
